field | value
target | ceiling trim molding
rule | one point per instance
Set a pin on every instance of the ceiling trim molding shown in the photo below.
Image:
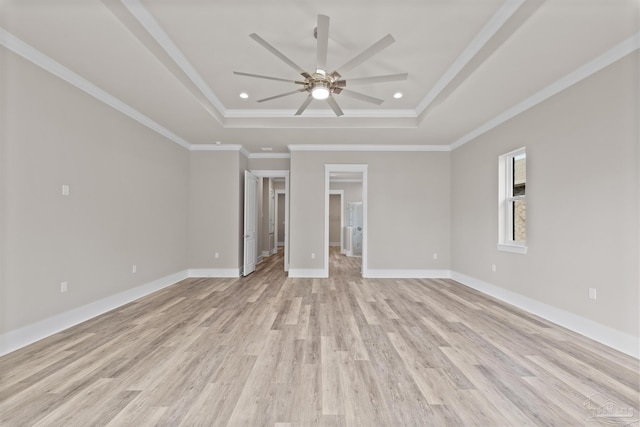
(367, 147)
(607, 58)
(506, 10)
(142, 15)
(269, 155)
(216, 147)
(43, 61)
(281, 113)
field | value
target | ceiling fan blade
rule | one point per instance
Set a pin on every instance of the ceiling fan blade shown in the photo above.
(323, 41)
(377, 79)
(304, 105)
(277, 53)
(281, 95)
(361, 97)
(334, 106)
(258, 76)
(367, 53)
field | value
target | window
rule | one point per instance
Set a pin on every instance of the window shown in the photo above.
(512, 203)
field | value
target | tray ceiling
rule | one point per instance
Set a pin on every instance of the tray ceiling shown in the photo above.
(470, 62)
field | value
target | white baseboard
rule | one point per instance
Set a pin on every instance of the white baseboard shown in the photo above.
(266, 254)
(407, 274)
(280, 244)
(315, 273)
(334, 244)
(214, 272)
(21, 337)
(606, 335)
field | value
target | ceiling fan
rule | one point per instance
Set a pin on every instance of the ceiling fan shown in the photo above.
(321, 84)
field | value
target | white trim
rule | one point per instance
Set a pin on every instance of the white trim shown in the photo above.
(497, 21)
(606, 335)
(214, 272)
(341, 194)
(311, 273)
(280, 174)
(21, 337)
(514, 249)
(505, 199)
(406, 274)
(216, 147)
(317, 113)
(38, 58)
(366, 147)
(265, 254)
(609, 57)
(269, 155)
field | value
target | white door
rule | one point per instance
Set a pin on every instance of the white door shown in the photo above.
(250, 222)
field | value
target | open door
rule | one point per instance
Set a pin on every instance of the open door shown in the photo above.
(250, 222)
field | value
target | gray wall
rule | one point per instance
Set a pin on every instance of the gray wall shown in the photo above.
(128, 198)
(408, 203)
(334, 219)
(214, 224)
(582, 200)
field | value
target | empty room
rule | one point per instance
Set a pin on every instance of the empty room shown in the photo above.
(336, 213)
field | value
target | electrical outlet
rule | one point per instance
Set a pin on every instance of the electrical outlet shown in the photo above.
(435, 256)
(134, 269)
(593, 293)
(65, 190)
(63, 287)
(216, 255)
(493, 268)
(313, 255)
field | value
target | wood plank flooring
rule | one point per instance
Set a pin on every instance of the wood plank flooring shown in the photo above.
(267, 350)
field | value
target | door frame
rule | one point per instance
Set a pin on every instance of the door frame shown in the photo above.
(337, 168)
(341, 194)
(250, 215)
(278, 219)
(280, 174)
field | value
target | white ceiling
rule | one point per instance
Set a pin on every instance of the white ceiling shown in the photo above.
(471, 63)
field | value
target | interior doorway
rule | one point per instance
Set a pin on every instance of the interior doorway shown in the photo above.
(278, 176)
(346, 173)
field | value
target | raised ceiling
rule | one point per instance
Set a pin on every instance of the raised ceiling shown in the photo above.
(169, 64)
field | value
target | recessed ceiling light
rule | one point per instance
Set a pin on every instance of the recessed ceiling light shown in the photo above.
(397, 95)
(244, 95)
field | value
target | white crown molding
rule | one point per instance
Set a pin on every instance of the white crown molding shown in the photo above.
(506, 10)
(142, 15)
(609, 57)
(38, 58)
(269, 155)
(315, 113)
(367, 147)
(216, 147)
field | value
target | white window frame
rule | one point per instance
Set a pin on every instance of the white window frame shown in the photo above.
(505, 203)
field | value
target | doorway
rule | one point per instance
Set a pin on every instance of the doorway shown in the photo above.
(276, 175)
(356, 171)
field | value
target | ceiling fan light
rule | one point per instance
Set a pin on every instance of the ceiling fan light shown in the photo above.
(320, 92)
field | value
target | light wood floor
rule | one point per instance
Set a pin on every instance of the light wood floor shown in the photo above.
(268, 350)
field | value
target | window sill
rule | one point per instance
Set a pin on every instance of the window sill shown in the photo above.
(515, 249)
